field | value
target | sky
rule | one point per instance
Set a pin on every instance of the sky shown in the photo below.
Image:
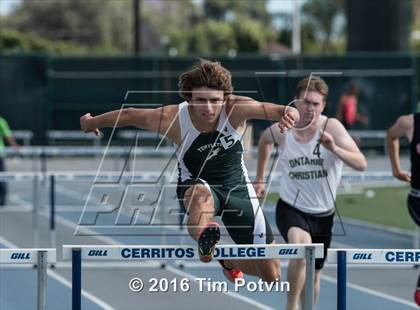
(7, 5)
(273, 5)
(282, 5)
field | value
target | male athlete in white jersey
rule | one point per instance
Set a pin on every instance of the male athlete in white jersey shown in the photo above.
(206, 129)
(310, 160)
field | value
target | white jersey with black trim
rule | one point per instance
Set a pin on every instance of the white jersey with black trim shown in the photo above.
(310, 175)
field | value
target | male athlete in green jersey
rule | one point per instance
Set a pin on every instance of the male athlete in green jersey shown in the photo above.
(206, 129)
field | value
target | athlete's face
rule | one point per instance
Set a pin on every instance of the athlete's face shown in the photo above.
(207, 103)
(310, 106)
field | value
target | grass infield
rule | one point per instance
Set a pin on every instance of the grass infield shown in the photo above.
(385, 206)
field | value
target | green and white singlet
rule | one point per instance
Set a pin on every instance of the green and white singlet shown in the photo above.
(215, 159)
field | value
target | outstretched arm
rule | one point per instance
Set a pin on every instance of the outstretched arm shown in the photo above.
(151, 119)
(402, 127)
(265, 145)
(242, 108)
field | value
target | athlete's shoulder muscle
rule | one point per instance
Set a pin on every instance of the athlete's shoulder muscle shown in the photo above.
(338, 131)
(170, 123)
(402, 127)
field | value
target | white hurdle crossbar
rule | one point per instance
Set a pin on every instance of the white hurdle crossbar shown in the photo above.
(342, 257)
(41, 257)
(129, 253)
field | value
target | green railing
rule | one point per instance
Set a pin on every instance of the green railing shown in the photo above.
(43, 93)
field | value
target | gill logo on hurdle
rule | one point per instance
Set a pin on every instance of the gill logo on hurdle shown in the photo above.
(343, 257)
(37, 256)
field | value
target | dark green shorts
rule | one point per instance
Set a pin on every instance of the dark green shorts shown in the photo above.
(239, 210)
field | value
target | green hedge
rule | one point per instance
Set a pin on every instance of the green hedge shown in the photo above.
(12, 41)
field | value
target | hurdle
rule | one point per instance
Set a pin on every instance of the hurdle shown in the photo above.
(343, 257)
(41, 257)
(130, 253)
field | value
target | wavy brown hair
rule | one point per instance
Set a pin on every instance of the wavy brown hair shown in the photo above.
(205, 73)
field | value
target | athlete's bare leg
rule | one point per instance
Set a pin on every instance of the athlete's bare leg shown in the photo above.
(317, 289)
(200, 205)
(297, 267)
(266, 269)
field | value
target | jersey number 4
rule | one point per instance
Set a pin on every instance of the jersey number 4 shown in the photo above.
(316, 150)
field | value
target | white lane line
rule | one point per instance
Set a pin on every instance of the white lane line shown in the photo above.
(65, 282)
(181, 273)
(382, 228)
(75, 195)
(352, 285)
(7, 243)
(168, 267)
(231, 294)
(371, 292)
(85, 293)
(90, 265)
(21, 203)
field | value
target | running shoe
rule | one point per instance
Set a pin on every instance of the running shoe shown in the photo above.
(231, 273)
(207, 241)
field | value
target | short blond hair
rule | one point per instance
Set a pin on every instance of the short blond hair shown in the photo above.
(312, 83)
(205, 73)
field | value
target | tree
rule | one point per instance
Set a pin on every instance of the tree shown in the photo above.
(93, 23)
(16, 42)
(212, 37)
(182, 26)
(250, 23)
(251, 36)
(217, 26)
(231, 9)
(285, 34)
(169, 25)
(320, 16)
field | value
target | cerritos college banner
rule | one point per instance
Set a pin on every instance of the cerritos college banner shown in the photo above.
(134, 252)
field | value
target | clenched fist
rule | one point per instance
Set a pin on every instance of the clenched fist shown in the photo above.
(86, 124)
(289, 119)
(327, 140)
